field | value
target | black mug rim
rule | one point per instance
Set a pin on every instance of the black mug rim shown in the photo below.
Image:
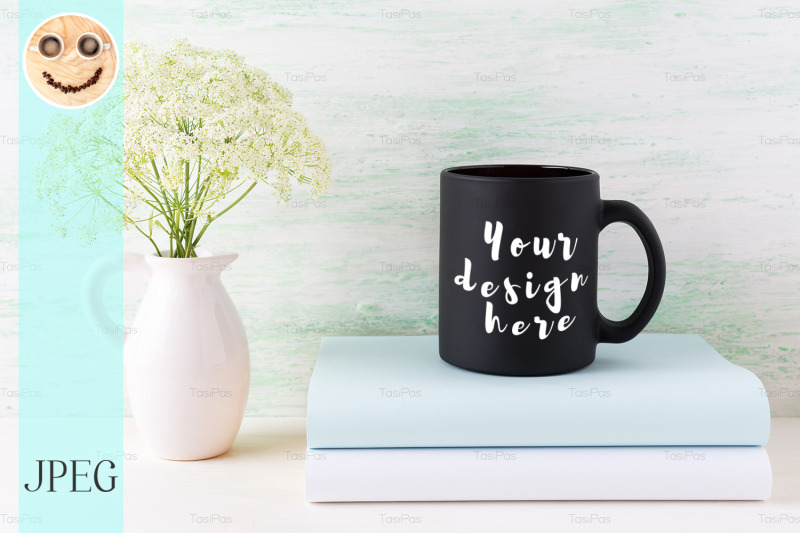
(521, 172)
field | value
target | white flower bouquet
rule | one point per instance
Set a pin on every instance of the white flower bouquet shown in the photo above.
(201, 129)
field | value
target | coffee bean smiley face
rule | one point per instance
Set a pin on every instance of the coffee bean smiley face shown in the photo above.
(71, 60)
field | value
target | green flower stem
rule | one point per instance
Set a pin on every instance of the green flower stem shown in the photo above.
(154, 196)
(205, 226)
(179, 212)
(186, 221)
(163, 195)
(149, 238)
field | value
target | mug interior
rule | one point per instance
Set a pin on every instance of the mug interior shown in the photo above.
(521, 171)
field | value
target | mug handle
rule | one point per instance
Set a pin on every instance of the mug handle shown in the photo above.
(92, 285)
(624, 330)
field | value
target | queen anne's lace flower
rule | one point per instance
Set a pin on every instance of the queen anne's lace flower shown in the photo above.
(80, 169)
(201, 129)
(202, 126)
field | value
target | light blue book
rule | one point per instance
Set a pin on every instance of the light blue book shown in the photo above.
(656, 390)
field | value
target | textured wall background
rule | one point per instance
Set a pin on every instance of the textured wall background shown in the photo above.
(9, 264)
(689, 110)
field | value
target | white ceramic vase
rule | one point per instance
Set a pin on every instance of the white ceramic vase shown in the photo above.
(187, 363)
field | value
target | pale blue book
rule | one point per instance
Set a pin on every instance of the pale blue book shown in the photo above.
(656, 390)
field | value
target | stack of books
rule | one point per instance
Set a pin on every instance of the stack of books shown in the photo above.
(662, 417)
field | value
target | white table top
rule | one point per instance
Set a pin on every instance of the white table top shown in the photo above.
(259, 486)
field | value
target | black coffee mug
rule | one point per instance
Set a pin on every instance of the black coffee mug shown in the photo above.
(518, 269)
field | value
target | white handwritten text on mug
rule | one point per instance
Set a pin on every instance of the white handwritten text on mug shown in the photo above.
(551, 290)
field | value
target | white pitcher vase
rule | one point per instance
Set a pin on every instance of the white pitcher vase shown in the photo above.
(187, 363)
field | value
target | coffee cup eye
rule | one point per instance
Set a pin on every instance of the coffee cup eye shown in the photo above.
(89, 46)
(50, 46)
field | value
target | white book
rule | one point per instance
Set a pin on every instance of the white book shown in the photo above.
(538, 473)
